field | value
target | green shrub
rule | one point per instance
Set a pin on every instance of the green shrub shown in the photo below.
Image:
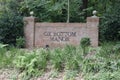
(104, 65)
(72, 64)
(11, 25)
(117, 47)
(66, 58)
(109, 50)
(20, 42)
(32, 63)
(110, 23)
(7, 55)
(90, 65)
(84, 43)
(72, 57)
(3, 51)
(57, 59)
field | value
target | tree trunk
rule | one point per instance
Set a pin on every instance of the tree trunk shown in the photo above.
(68, 12)
(84, 6)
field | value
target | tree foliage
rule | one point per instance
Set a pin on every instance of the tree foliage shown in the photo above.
(12, 12)
(53, 10)
(10, 22)
(110, 22)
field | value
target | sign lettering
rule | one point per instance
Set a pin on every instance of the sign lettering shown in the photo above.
(60, 36)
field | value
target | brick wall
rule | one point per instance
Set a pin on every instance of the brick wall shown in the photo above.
(59, 34)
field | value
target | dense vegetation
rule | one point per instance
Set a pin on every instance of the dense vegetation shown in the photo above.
(13, 11)
(101, 63)
(11, 25)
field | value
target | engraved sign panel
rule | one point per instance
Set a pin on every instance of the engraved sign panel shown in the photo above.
(54, 35)
(58, 34)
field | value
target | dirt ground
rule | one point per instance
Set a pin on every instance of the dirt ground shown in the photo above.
(12, 74)
(8, 74)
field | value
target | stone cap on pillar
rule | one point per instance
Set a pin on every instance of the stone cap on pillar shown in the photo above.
(93, 18)
(31, 18)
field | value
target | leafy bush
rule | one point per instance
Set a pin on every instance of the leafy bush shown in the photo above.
(57, 59)
(84, 43)
(30, 64)
(104, 65)
(11, 25)
(20, 42)
(2, 54)
(110, 23)
(7, 55)
(67, 58)
(71, 57)
(91, 65)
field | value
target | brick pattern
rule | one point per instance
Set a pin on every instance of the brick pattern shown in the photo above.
(59, 34)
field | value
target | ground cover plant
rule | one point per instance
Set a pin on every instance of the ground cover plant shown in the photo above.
(101, 63)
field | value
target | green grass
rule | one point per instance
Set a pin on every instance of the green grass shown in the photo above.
(104, 64)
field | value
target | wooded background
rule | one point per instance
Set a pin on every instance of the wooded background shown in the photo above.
(13, 11)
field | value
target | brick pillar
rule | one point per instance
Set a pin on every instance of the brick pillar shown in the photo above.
(29, 27)
(92, 28)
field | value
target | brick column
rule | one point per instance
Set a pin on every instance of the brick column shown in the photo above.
(29, 25)
(92, 28)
